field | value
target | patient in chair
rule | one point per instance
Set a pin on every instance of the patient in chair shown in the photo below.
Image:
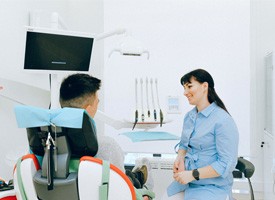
(81, 91)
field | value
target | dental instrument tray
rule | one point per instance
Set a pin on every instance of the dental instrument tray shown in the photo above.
(143, 110)
(148, 122)
(145, 124)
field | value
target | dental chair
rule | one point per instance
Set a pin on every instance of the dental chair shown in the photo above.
(59, 136)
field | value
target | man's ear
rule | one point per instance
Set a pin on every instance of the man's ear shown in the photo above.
(91, 110)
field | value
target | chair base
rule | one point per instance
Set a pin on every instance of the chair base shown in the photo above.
(63, 188)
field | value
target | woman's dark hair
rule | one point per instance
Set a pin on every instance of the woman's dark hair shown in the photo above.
(202, 76)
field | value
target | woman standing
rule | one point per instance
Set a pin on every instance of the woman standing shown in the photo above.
(208, 149)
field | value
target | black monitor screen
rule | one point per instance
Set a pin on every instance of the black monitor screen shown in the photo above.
(46, 51)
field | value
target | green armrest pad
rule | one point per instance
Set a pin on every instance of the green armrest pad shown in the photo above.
(103, 192)
(146, 192)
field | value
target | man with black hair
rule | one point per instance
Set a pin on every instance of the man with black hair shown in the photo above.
(81, 91)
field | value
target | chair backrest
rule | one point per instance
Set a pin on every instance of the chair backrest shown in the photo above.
(247, 169)
(55, 137)
(82, 141)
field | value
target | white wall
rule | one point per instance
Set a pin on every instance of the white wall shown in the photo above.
(79, 15)
(181, 36)
(262, 42)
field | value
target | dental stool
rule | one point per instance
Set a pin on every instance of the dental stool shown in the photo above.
(60, 136)
(247, 169)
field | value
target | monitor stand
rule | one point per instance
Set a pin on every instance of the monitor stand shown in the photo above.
(55, 85)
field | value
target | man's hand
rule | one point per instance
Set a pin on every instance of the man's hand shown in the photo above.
(184, 177)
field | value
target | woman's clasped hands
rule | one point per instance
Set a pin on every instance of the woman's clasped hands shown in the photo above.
(180, 174)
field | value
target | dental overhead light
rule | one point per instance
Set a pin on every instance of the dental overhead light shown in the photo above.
(129, 46)
(102, 36)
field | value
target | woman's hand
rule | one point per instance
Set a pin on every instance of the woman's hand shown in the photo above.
(179, 164)
(184, 177)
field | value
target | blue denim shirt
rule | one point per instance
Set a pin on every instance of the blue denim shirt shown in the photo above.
(210, 137)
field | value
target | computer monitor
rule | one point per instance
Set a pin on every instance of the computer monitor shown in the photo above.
(54, 51)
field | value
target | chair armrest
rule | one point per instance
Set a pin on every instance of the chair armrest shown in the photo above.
(246, 167)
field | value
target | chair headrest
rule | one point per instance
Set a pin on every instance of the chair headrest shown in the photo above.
(30, 116)
(73, 123)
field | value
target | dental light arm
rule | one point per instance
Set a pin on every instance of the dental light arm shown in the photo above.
(110, 33)
(56, 20)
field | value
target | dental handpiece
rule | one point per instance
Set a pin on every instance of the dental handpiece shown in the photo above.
(161, 117)
(157, 93)
(136, 119)
(147, 97)
(136, 112)
(153, 102)
(160, 111)
(141, 96)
